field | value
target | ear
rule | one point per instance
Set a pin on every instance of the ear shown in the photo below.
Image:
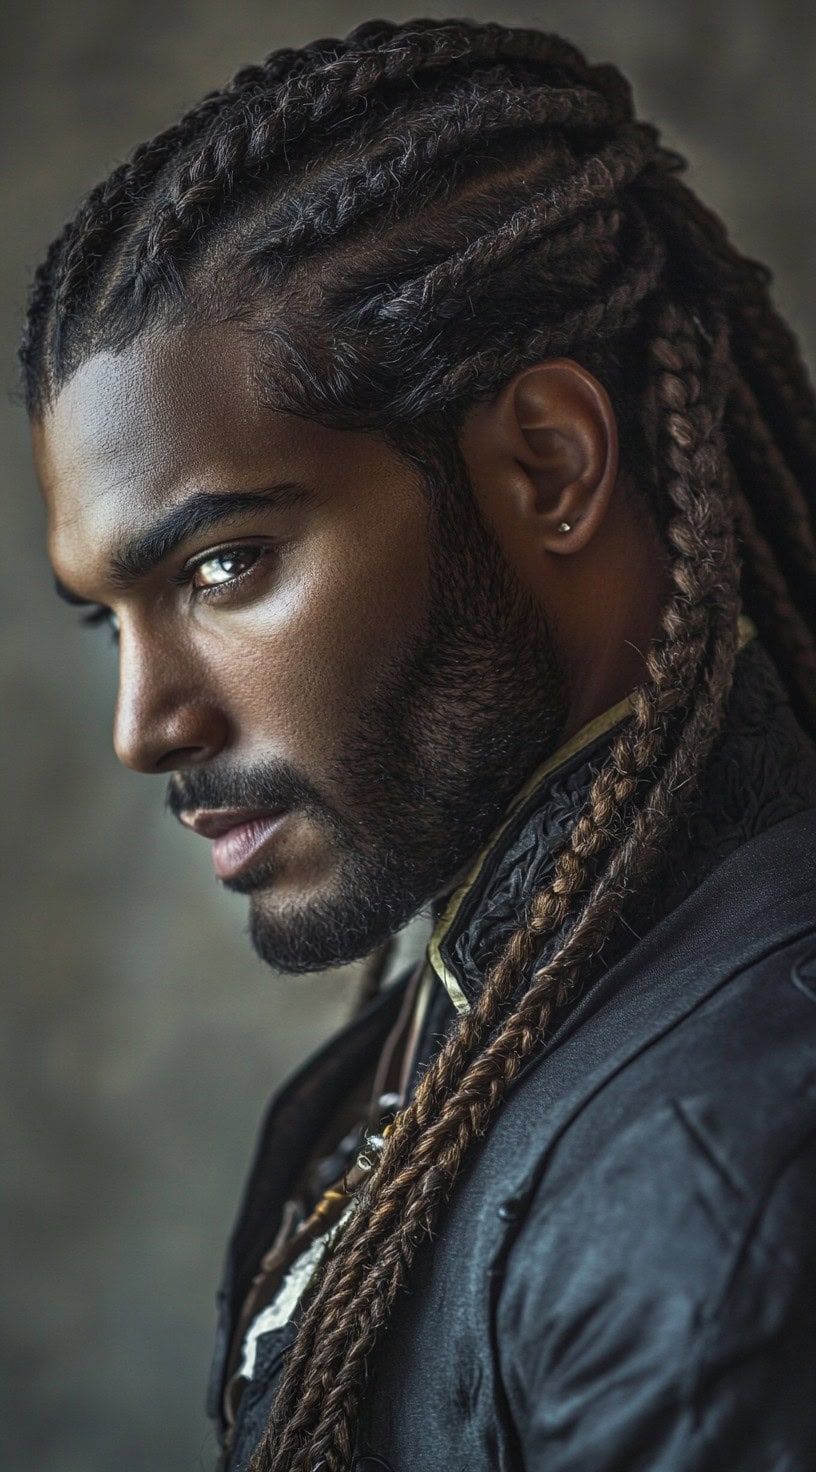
(544, 456)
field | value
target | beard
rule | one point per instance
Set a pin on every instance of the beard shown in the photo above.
(451, 733)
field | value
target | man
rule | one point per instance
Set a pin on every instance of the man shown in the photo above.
(446, 478)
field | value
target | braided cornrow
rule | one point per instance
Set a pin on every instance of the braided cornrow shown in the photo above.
(308, 101)
(460, 201)
(413, 154)
(537, 219)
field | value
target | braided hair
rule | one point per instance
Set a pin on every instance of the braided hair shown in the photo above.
(405, 219)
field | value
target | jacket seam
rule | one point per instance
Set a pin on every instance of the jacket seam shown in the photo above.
(753, 1230)
(712, 1318)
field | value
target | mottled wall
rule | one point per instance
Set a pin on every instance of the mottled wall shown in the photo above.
(140, 1035)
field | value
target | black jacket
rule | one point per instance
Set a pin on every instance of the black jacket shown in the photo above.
(625, 1277)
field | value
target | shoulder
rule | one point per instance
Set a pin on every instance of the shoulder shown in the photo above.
(666, 1255)
(667, 1321)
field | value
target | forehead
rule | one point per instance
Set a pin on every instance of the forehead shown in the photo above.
(134, 432)
(148, 411)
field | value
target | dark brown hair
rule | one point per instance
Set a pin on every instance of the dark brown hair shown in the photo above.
(405, 219)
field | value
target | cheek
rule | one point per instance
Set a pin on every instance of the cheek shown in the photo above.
(302, 663)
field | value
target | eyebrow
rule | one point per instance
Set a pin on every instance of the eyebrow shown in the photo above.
(198, 513)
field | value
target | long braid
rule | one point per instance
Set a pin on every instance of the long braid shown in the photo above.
(774, 386)
(461, 201)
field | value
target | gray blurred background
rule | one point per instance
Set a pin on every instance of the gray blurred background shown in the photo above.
(140, 1035)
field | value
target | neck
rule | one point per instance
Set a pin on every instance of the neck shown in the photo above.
(626, 584)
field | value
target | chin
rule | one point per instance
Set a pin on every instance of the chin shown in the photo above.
(301, 946)
(323, 932)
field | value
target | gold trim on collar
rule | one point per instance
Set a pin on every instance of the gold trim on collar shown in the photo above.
(587, 734)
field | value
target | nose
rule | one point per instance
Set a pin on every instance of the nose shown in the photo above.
(165, 719)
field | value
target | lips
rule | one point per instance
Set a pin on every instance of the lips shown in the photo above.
(239, 836)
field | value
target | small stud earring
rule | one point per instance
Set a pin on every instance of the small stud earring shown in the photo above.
(565, 526)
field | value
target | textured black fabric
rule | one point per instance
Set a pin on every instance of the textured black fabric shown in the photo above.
(625, 1277)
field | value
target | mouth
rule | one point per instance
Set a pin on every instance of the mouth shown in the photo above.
(239, 835)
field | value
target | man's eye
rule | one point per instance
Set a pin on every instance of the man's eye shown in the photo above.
(224, 567)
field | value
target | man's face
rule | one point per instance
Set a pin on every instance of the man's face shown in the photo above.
(344, 689)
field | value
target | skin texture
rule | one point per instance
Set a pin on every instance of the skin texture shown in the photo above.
(354, 675)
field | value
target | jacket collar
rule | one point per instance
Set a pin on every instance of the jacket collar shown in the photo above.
(555, 792)
(517, 861)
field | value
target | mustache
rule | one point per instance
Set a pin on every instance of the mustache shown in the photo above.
(263, 785)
